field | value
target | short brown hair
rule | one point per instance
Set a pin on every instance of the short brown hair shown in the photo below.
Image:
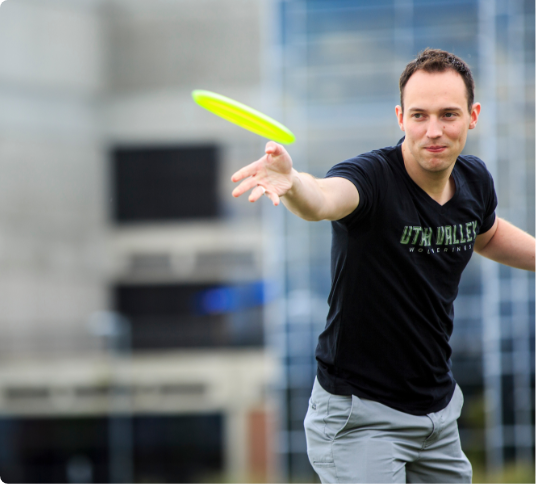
(435, 60)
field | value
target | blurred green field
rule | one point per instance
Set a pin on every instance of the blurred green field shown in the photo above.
(510, 473)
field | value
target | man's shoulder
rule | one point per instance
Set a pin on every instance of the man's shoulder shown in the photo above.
(384, 153)
(375, 164)
(474, 175)
(472, 166)
(377, 156)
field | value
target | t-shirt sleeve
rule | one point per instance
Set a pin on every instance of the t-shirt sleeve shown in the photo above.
(362, 171)
(490, 197)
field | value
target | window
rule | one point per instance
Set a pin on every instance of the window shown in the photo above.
(175, 448)
(166, 316)
(161, 184)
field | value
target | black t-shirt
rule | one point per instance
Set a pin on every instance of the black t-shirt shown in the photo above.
(396, 264)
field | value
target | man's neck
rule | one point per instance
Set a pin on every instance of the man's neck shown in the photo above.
(440, 186)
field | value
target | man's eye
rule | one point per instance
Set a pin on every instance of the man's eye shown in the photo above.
(417, 115)
(450, 115)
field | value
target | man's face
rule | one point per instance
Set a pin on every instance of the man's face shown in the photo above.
(435, 119)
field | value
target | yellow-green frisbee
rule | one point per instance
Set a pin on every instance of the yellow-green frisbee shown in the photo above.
(244, 116)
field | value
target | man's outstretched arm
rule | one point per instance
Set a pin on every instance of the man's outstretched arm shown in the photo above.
(507, 244)
(304, 195)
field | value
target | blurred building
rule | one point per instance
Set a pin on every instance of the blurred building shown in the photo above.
(116, 198)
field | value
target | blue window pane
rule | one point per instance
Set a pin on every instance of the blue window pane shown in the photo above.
(342, 87)
(351, 49)
(417, 4)
(323, 5)
(530, 40)
(453, 15)
(357, 19)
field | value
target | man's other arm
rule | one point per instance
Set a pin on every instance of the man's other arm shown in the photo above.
(507, 244)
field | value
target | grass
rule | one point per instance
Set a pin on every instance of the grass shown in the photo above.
(523, 473)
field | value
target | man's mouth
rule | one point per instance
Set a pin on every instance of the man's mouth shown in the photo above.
(435, 148)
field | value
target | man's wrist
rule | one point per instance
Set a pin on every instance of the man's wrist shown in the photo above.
(296, 182)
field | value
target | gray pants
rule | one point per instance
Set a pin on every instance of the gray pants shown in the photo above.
(353, 440)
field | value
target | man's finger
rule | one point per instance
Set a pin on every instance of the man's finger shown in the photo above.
(248, 170)
(273, 197)
(244, 187)
(256, 193)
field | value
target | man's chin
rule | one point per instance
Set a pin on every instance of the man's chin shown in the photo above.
(438, 157)
(436, 167)
(435, 163)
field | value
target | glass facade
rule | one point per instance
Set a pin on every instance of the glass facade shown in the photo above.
(340, 64)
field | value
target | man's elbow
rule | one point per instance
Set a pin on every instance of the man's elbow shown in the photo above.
(483, 241)
(311, 217)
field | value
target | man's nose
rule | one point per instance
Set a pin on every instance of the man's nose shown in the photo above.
(435, 129)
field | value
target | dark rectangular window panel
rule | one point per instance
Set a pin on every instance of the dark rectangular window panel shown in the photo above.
(183, 448)
(161, 184)
(167, 316)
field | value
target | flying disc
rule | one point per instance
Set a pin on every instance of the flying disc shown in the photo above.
(244, 116)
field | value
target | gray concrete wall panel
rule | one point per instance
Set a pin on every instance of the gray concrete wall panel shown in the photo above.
(53, 186)
(202, 44)
(56, 46)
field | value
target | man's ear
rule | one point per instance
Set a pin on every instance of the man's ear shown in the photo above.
(400, 117)
(475, 112)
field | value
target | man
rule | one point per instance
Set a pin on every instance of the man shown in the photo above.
(405, 221)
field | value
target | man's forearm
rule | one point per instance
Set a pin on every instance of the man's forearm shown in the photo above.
(511, 246)
(305, 199)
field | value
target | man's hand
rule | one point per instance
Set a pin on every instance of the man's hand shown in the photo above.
(271, 175)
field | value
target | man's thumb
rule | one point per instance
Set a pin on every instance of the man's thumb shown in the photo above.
(272, 148)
